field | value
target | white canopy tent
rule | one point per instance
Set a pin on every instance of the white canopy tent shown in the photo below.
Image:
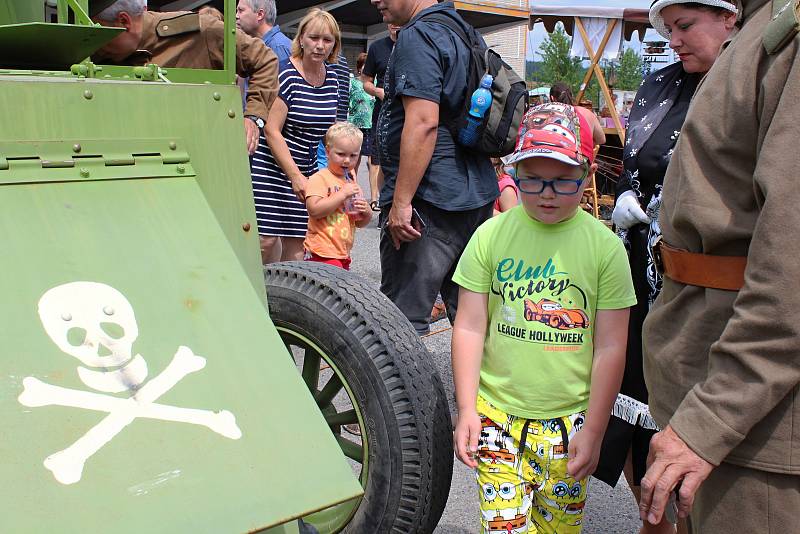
(601, 28)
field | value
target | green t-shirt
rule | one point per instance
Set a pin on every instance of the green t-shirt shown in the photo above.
(545, 283)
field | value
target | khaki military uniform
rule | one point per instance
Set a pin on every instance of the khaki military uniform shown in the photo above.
(189, 40)
(723, 367)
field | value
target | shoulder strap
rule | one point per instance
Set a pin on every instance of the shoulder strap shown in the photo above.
(783, 27)
(445, 20)
(177, 25)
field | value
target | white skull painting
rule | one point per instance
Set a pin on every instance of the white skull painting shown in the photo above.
(96, 324)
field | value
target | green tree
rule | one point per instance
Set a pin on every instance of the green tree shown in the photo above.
(557, 64)
(629, 72)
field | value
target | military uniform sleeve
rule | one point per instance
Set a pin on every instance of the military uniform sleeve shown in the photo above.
(756, 362)
(254, 60)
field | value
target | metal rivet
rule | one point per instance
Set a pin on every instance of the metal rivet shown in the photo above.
(173, 145)
(246, 227)
(85, 173)
(88, 95)
(231, 113)
(76, 147)
(165, 27)
(108, 310)
(181, 169)
(66, 316)
(217, 96)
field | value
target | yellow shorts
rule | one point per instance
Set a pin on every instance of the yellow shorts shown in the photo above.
(527, 489)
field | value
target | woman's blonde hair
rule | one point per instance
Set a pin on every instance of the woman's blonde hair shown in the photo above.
(343, 129)
(325, 19)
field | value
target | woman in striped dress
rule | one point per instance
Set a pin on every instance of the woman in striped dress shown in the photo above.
(302, 113)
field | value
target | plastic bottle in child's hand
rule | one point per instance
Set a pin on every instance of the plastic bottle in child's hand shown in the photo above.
(350, 204)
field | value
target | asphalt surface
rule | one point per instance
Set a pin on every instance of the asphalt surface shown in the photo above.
(607, 510)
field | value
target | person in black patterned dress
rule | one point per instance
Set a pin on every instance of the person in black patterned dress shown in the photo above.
(696, 32)
(304, 110)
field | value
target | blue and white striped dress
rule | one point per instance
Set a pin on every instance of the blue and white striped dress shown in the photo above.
(312, 110)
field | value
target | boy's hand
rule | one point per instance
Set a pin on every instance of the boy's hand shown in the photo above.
(465, 438)
(349, 189)
(362, 207)
(584, 453)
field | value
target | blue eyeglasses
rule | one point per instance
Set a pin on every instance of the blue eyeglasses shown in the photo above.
(560, 186)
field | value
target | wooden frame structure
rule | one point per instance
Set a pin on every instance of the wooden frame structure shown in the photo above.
(595, 70)
(631, 20)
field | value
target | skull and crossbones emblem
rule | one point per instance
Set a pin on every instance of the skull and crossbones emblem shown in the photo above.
(95, 323)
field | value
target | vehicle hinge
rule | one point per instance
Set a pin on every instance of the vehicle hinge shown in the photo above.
(93, 160)
(150, 73)
(87, 69)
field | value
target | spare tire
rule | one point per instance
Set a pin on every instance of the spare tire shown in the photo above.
(378, 390)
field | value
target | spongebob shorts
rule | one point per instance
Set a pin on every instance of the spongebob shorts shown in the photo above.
(527, 489)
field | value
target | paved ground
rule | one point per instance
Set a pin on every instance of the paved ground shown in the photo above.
(607, 511)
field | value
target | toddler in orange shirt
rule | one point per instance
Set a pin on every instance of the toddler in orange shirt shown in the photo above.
(334, 201)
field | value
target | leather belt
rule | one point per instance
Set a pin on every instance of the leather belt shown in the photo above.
(703, 270)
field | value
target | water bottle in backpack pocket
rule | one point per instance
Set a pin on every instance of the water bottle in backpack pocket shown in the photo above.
(493, 131)
(481, 102)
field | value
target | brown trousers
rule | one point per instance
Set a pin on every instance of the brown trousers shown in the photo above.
(738, 499)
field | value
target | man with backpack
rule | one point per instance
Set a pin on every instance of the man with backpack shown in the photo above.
(436, 193)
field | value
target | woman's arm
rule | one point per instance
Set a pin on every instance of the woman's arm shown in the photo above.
(508, 198)
(370, 88)
(608, 364)
(469, 333)
(598, 134)
(279, 148)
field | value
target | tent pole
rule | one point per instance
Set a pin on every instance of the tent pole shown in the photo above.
(599, 72)
(595, 55)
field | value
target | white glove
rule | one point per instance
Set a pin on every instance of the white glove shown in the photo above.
(628, 212)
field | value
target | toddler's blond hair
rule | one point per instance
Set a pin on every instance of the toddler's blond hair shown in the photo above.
(342, 129)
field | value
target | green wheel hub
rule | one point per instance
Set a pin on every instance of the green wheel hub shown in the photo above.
(337, 403)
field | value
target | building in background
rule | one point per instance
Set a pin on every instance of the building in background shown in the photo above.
(503, 23)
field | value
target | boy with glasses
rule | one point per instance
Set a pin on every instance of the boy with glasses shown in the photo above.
(539, 341)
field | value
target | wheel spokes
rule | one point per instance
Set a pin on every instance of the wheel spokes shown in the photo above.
(352, 450)
(342, 418)
(311, 369)
(325, 397)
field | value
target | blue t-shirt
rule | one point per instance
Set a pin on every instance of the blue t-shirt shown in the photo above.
(430, 62)
(279, 43)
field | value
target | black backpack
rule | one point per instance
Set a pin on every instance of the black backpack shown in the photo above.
(498, 134)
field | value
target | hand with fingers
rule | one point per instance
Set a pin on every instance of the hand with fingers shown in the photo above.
(399, 225)
(251, 133)
(299, 184)
(671, 464)
(465, 438)
(362, 207)
(627, 211)
(349, 189)
(584, 453)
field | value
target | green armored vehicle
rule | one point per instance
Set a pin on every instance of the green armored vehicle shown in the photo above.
(154, 377)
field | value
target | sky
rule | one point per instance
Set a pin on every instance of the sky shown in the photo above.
(538, 34)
